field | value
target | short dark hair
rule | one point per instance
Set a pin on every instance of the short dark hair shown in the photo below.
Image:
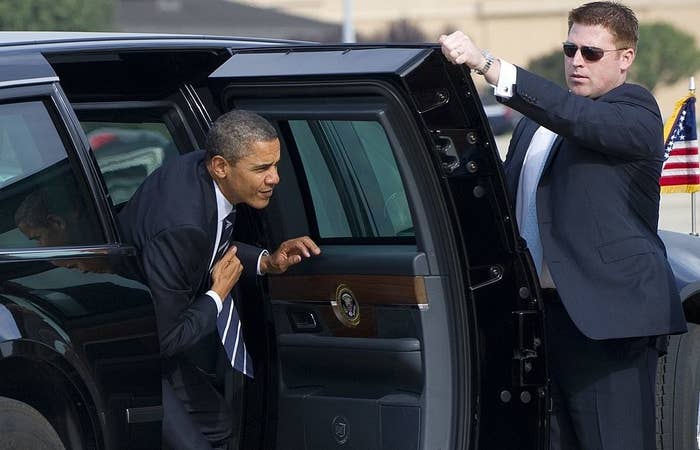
(615, 17)
(233, 133)
(37, 207)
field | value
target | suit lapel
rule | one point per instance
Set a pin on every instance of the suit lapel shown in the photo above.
(209, 213)
(552, 152)
(514, 165)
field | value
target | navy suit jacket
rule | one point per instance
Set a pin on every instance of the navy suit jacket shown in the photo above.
(171, 220)
(598, 205)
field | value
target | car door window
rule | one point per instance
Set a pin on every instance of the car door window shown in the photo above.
(132, 139)
(43, 199)
(355, 184)
(128, 152)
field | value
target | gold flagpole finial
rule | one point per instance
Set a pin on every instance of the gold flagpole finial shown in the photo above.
(691, 85)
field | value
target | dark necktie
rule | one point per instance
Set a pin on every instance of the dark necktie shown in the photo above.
(228, 323)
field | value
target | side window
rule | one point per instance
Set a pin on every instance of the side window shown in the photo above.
(129, 144)
(42, 200)
(355, 184)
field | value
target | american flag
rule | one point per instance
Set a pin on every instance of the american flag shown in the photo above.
(681, 171)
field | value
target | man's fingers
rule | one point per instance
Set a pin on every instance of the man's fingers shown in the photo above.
(230, 252)
(291, 252)
(311, 245)
(306, 246)
(457, 47)
(453, 39)
(298, 246)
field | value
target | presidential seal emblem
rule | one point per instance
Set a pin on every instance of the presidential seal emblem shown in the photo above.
(345, 306)
(339, 427)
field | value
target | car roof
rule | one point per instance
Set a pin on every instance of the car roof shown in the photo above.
(65, 40)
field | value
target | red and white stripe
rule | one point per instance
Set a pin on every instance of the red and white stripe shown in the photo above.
(682, 166)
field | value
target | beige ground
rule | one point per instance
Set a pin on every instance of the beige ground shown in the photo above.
(675, 208)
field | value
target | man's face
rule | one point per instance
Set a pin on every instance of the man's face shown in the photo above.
(252, 179)
(594, 78)
(53, 234)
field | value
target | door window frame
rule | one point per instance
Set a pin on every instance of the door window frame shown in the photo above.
(81, 164)
(182, 137)
(372, 108)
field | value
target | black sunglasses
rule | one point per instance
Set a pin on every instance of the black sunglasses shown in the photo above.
(588, 53)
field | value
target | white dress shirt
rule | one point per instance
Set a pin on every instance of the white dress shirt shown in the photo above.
(223, 209)
(537, 151)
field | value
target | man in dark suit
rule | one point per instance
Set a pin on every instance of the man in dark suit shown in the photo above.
(582, 170)
(180, 221)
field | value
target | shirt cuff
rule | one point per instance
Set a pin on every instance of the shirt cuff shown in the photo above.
(262, 253)
(217, 300)
(506, 80)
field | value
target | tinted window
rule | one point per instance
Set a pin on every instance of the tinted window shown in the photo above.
(128, 152)
(355, 184)
(42, 201)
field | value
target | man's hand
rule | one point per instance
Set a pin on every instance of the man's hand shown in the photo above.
(226, 272)
(458, 48)
(289, 253)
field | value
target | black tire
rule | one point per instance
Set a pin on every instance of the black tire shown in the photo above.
(678, 393)
(23, 427)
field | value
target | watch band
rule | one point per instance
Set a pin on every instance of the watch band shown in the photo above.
(487, 65)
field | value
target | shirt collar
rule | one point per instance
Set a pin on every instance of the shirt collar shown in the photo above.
(223, 206)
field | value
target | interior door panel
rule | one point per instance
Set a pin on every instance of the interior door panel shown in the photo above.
(339, 377)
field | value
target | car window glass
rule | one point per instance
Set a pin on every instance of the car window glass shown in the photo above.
(355, 184)
(42, 201)
(128, 152)
(330, 216)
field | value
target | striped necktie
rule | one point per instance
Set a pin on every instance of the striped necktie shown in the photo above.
(228, 323)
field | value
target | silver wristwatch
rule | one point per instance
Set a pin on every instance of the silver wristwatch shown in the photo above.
(487, 65)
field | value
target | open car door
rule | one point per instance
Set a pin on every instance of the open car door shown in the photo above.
(419, 326)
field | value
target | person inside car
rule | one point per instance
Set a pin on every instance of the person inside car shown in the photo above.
(181, 220)
(47, 217)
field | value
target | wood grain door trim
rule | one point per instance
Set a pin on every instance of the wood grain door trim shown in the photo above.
(388, 290)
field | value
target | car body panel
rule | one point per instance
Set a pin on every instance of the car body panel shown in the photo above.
(83, 350)
(684, 256)
(26, 69)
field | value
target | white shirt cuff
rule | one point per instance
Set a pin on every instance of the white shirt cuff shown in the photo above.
(262, 253)
(506, 80)
(217, 300)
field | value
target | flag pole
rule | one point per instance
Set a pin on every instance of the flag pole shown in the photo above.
(693, 212)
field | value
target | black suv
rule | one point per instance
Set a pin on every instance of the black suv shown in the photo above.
(419, 327)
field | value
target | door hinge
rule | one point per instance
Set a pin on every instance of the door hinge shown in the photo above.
(528, 349)
(483, 276)
(449, 160)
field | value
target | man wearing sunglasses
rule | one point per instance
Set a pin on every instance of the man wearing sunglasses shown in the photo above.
(582, 171)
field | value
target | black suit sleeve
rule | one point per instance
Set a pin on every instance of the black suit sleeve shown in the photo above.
(248, 255)
(625, 122)
(171, 263)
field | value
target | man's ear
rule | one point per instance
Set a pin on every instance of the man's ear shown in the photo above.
(56, 221)
(218, 167)
(627, 58)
